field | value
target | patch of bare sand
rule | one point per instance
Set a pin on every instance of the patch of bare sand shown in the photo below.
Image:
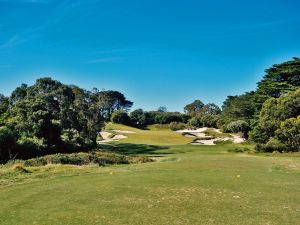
(106, 137)
(210, 140)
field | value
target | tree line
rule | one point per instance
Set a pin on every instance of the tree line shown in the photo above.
(51, 117)
(268, 116)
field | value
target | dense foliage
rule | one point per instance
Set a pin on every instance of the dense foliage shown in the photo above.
(142, 118)
(275, 100)
(239, 126)
(278, 121)
(207, 115)
(50, 117)
(120, 116)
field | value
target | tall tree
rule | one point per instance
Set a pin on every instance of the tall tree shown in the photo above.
(280, 78)
(162, 109)
(277, 110)
(50, 117)
(194, 108)
(111, 101)
(240, 107)
(211, 109)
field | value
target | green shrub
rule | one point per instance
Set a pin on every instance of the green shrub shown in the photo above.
(210, 120)
(238, 126)
(71, 137)
(138, 117)
(7, 144)
(277, 110)
(100, 158)
(31, 144)
(195, 122)
(272, 145)
(168, 117)
(177, 126)
(120, 117)
(40, 161)
(289, 134)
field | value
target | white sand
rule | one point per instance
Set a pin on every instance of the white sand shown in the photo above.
(119, 136)
(105, 135)
(200, 130)
(200, 133)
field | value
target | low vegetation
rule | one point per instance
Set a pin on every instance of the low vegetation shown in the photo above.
(83, 158)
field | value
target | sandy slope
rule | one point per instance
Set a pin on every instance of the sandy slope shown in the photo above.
(200, 133)
(106, 135)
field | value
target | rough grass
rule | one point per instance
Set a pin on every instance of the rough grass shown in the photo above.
(186, 185)
(159, 127)
(84, 158)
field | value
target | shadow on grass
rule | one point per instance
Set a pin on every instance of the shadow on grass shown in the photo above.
(135, 149)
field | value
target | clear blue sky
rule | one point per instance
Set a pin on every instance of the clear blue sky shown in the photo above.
(157, 52)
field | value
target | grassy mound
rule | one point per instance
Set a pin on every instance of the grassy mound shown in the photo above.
(83, 158)
(155, 135)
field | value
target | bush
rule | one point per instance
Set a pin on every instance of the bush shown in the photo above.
(272, 145)
(177, 126)
(167, 117)
(29, 147)
(120, 117)
(195, 122)
(287, 137)
(7, 144)
(289, 134)
(138, 117)
(277, 110)
(71, 137)
(100, 158)
(210, 120)
(239, 126)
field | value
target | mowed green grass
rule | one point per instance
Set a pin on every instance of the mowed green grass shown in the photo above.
(186, 185)
(150, 136)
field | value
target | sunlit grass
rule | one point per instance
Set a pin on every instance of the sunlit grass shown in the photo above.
(186, 185)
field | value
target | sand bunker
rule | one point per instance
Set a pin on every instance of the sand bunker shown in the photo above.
(208, 140)
(108, 137)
